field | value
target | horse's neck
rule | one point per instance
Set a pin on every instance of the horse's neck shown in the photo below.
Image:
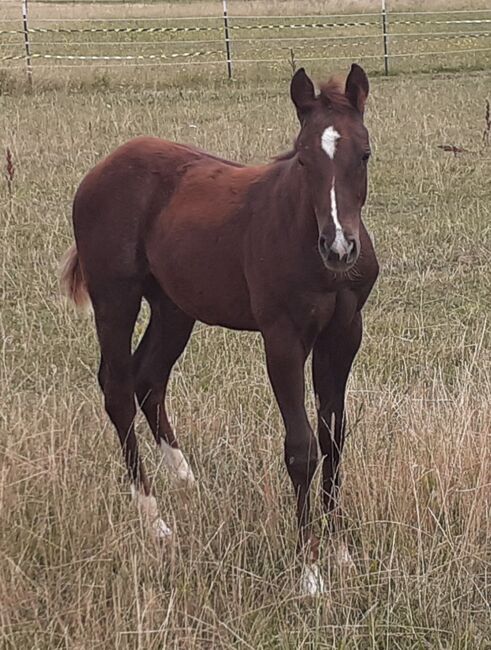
(292, 194)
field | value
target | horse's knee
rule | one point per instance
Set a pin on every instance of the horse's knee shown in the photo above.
(148, 393)
(301, 458)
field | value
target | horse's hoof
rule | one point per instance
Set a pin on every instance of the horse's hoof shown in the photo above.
(312, 581)
(147, 505)
(161, 531)
(185, 477)
(343, 557)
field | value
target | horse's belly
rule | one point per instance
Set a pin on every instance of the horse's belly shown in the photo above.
(205, 305)
(207, 287)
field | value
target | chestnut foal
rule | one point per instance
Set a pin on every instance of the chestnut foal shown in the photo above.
(278, 248)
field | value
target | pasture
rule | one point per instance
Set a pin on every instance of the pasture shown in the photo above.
(77, 566)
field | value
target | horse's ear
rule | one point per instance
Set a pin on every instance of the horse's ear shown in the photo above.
(302, 92)
(357, 87)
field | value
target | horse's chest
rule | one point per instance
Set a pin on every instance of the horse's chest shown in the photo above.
(313, 313)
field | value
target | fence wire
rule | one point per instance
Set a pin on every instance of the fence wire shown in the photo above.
(213, 28)
(46, 42)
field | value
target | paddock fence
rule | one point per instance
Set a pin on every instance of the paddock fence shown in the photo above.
(384, 41)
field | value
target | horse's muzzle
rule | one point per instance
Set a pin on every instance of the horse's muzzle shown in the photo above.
(340, 254)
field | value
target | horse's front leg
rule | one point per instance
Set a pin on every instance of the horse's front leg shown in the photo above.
(334, 352)
(285, 356)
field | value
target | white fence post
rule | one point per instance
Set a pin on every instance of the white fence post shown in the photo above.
(26, 42)
(227, 40)
(385, 35)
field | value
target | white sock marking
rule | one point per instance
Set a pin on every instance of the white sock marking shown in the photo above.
(176, 463)
(344, 556)
(328, 141)
(160, 529)
(312, 580)
(147, 505)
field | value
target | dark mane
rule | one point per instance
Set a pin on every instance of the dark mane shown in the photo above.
(286, 155)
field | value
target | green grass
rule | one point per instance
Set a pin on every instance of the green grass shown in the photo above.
(77, 567)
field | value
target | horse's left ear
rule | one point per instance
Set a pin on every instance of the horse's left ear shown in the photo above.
(357, 87)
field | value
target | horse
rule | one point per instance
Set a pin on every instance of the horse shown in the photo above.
(278, 248)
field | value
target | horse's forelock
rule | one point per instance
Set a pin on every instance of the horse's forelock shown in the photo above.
(332, 93)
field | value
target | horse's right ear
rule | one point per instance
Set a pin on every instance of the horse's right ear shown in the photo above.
(302, 92)
(357, 87)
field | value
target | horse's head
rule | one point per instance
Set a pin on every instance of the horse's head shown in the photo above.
(333, 150)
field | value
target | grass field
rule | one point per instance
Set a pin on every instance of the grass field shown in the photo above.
(77, 567)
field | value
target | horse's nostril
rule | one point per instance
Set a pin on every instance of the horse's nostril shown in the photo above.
(352, 249)
(323, 244)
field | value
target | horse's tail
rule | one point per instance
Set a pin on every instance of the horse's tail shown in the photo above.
(72, 281)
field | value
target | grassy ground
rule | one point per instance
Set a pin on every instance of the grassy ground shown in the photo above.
(77, 568)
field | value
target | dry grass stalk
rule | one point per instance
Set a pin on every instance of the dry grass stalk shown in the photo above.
(9, 175)
(9, 169)
(487, 128)
(292, 61)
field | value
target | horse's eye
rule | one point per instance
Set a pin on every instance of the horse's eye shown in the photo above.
(366, 156)
(300, 162)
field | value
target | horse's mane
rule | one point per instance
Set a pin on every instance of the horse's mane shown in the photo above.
(286, 155)
(331, 93)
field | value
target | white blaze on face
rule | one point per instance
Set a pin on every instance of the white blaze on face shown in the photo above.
(147, 505)
(339, 245)
(329, 140)
(176, 463)
(334, 208)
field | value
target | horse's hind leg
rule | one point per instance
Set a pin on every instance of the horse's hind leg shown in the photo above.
(116, 309)
(164, 340)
